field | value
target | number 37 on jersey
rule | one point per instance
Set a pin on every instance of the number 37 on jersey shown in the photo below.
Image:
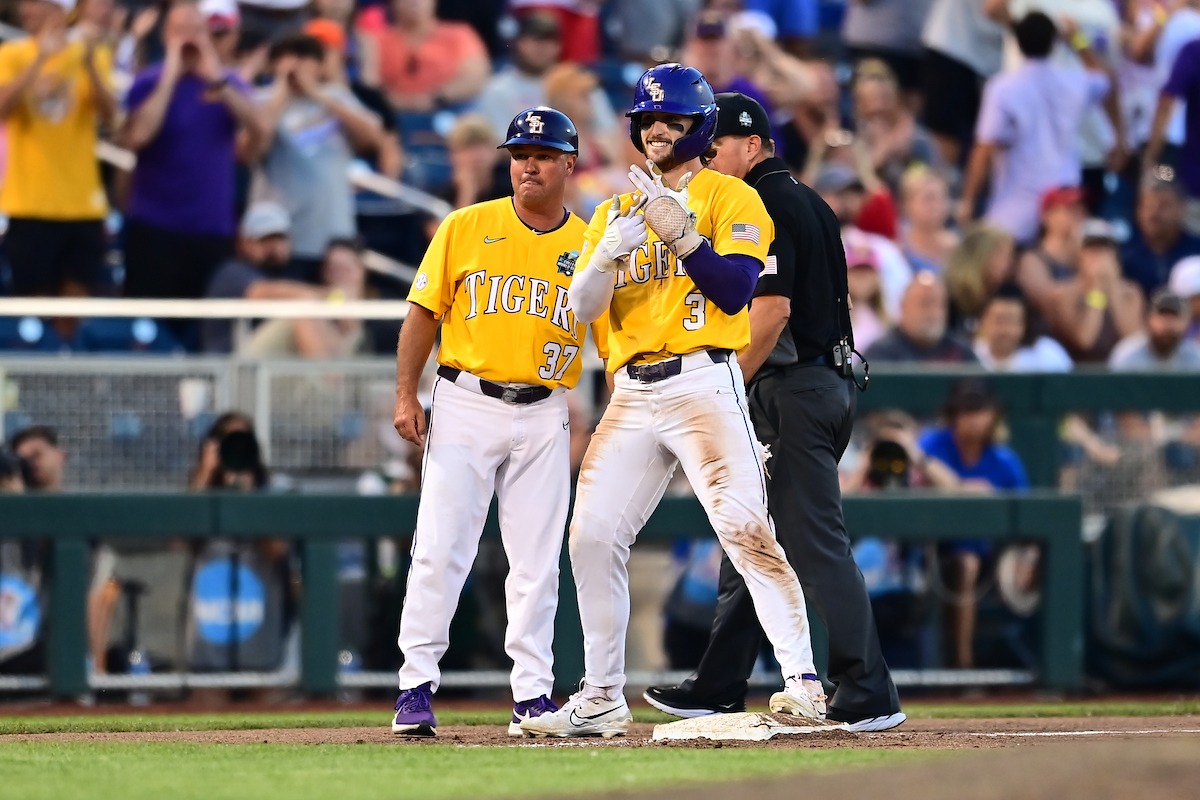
(500, 289)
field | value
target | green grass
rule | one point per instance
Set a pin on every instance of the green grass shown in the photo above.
(154, 770)
(354, 719)
(267, 772)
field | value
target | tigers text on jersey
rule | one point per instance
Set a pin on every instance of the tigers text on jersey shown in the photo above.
(500, 289)
(656, 308)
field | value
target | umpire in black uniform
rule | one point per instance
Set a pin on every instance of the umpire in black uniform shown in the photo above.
(802, 400)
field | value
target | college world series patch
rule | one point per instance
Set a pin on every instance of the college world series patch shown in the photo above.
(566, 262)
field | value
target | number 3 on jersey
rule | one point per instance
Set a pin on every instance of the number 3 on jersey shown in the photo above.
(553, 352)
(694, 301)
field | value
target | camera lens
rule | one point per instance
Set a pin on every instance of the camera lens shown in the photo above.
(239, 451)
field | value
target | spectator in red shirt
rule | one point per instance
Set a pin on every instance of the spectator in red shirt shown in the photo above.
(579, 21)
(420, 62)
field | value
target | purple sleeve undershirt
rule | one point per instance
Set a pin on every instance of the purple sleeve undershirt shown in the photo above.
(728, 281)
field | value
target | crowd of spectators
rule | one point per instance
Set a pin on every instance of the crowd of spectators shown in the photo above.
(996, 164)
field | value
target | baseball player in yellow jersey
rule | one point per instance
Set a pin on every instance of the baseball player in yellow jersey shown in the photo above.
(495, 279)
(672, 269)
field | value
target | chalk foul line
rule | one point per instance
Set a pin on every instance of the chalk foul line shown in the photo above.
(1083, 733)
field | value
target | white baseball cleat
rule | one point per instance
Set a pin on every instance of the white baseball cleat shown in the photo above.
(593, 716)
(802, 697)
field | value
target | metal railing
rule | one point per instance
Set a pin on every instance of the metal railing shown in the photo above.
(329, 417)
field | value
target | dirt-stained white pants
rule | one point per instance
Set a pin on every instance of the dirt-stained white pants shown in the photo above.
(478, 445)
(697, 419)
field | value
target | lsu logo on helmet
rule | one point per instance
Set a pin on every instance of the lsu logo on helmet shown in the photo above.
(676, 89)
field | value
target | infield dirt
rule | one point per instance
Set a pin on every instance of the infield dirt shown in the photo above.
(936, 734)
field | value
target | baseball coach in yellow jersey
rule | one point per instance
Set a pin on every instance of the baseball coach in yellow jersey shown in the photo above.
(495, 280)
(669, 271)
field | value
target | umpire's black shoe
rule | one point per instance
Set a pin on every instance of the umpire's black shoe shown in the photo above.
(681, 702)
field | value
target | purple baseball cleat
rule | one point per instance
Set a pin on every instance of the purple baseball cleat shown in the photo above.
(414, 712)
(528, 709)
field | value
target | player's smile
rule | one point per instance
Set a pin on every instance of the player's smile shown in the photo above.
(657, 147)
(659, 133)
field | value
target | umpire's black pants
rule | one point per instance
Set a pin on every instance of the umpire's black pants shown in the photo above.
(805, 414)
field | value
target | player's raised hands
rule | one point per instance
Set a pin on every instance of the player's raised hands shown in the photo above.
(624, 232)
(410, 419)
(666, 210)
(649, 183)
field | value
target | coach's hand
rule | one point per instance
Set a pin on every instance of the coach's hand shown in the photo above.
(410, 419)
(666, 210)
(624, 232)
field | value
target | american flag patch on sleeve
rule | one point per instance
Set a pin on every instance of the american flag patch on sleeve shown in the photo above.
(745, 232)
(771, 268)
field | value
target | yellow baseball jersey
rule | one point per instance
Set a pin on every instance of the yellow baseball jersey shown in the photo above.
(52, 173)
(500, 289)
(656, 310)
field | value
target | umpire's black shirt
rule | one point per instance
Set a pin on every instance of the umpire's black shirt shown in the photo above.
(806, 264)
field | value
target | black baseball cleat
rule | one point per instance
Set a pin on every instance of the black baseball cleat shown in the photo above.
(861, 724)
(680, 702)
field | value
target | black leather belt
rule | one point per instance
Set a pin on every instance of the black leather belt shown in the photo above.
(661, 370)
(516, 395)
(820, 361)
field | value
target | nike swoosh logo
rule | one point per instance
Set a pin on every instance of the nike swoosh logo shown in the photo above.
(578, 720)
(565, 424)
(486, 240)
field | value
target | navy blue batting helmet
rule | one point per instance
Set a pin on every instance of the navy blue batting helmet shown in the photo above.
(676, 89)
(543, 126)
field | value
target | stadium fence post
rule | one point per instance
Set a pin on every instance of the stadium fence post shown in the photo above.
(1058, 522)
(67, 629)
(319, 634)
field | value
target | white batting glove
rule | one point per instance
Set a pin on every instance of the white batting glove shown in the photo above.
(624, 232)
(666, 210)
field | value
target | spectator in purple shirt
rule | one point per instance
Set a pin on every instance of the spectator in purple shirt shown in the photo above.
(185, 116)
(1182, 87)
(1027, 135)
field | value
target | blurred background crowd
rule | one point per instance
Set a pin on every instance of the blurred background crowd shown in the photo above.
(1018, 183)
(1017, 179)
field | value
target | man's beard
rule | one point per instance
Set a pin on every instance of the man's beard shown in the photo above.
(666, 162)
(1164, 346)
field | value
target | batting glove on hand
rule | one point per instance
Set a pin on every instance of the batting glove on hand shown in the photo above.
(666, 210)
(624, 232)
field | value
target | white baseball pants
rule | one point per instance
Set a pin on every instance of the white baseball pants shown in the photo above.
(477, 445)
(697, 419)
